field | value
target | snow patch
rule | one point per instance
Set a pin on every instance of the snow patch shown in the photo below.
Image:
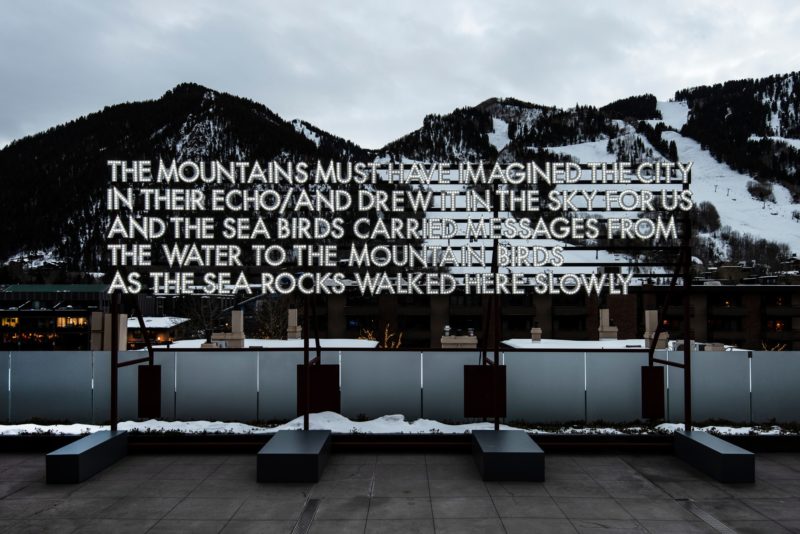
(673, 114)
(498, 137)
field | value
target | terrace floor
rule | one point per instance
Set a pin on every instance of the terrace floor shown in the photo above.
(400, 493)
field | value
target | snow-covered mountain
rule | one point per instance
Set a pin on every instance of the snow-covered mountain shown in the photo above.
(743, 136)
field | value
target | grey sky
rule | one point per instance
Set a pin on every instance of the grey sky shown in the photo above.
(370, 71)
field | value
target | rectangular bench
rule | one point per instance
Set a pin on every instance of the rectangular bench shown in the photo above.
(507, 455)
(85, 457)
(294, 456)
(716, 457)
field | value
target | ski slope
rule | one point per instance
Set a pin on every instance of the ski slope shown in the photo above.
(717, 183)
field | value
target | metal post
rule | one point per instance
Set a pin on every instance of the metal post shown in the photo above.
(318, 359)
(495, 367)
(114, 357)
(306, 368)
(687, 342)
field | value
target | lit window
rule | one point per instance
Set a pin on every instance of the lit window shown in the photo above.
(9, 322)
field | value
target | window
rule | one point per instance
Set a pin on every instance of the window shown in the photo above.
(9, 322)
(71, 322)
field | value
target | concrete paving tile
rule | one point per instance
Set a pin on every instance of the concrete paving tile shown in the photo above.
(633, 489)
(23, 472)
(25, 508)
(453, 472)
(757, 527)
(332, 526)
(9, 488)
(140, 508)
(348, 471)
(516, 489)
(693, 489)
(270, 509)
(527, 507)
(791, 526)
(179, 471)
(618, 526)
(761, 489)
(41, 490)
(117, 526)
(789, 486)
(521, 525)
(108, 488)
(591, 508)
(458, 488)
(677, 527)
(463, 507)
(400, 459)
(399, 526)
(181, 526)
(234, 472)
(730, 510)
(401, 471)
(346, 508)
(574, 488)
(487, 525)
(168, 488)
(400, 508)
(44, 526)
(401, 488)
(211, 509)
(449, 459)
(352, 458)
(776, 509)
(342, 488)
(80, 508)
(664, 509)
(258, 527)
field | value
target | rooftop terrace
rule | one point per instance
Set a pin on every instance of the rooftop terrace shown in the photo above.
(400, 493)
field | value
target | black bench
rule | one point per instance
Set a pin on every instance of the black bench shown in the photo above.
(294, 456)
(715, 457)
(507, 455)
(85, 457)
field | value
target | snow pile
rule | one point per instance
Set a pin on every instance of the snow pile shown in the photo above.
(775, 430)
(674, 114)
(255, 343)
(717, 183)
(498, 138)
(794, 143)
(336, 423)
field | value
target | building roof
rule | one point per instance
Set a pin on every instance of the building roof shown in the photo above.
(156, 322)
(56, 288)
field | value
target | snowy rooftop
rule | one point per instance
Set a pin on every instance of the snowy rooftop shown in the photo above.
(575, 344)
(251, 343)
(156, 322)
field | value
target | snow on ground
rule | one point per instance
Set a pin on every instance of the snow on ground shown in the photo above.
(303, 130)
(498, 138)
(725, 430)
(794, 143)
(674, 114)
(253, 343)
(388, 424)
(156, 322)
(717, 183)
(589, 152)
(338, 424)
(35, 259)
(573, 344)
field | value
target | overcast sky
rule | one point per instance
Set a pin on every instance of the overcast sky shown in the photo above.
(370, 71)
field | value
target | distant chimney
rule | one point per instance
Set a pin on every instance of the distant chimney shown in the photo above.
(293, 331)
(536, 332)
(606, 330)
(650, 325)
